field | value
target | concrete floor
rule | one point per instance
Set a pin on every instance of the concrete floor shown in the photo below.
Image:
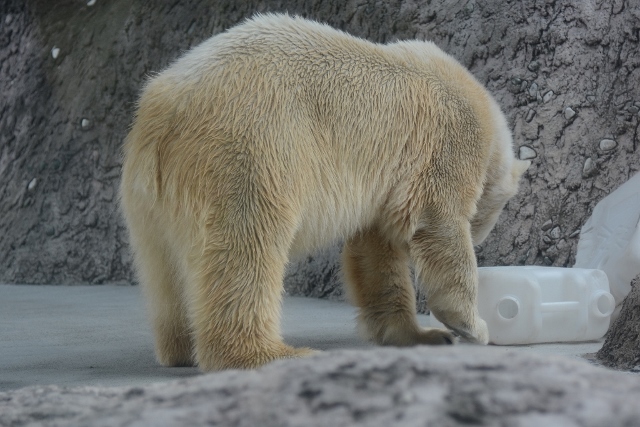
(98, 335)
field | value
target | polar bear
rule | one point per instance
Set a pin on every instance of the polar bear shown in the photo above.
(282, 135)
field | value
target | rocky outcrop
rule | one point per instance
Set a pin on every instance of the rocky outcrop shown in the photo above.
(621, 349)
(462, 385)
(564, 72)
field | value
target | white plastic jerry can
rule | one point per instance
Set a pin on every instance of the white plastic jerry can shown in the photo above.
(532, 304)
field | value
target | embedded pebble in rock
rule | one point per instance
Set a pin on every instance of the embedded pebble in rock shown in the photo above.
(533, 66)
(55, 52)
(8, 19)
(524, 85)
(547, 225)
(607, 144)
(591, 98)
(547, 96)
(530, 115)
(575, 233)
(555, 233)
(32, 184)
(569, 113)
(533, 89)
(85, 124)
(588, 167)
(91, 2)
(527, 153)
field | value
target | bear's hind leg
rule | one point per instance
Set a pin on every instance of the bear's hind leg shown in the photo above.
(376, 274)
(235, 300)
(162, 287)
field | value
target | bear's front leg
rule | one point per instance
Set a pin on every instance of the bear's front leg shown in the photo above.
(376, 273)
(446, 264)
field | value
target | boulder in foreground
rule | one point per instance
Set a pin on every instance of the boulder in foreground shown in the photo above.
(381, 387)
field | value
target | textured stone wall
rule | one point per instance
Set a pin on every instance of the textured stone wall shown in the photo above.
(566, 74)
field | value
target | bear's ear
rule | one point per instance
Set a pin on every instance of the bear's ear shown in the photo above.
(518, 168)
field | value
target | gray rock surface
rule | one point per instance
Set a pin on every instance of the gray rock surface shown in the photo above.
(565, 73)
(317, 275)
(621, 349)
(385, 387)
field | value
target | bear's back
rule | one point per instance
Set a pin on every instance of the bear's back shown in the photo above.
(337, 120)
(276, 42)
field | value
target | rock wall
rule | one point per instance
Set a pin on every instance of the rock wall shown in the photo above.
(566, 74)
(425, 386)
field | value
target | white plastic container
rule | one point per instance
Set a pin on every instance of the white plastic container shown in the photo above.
(526, 305)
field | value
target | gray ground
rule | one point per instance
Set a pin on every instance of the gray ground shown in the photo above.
(98, 335)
